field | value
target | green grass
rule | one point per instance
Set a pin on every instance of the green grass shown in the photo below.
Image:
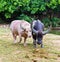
(57, 32)
(10, 52)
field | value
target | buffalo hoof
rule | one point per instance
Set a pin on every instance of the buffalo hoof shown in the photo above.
(15, 42)
(42, 46)
(35, 45)
(25, 44)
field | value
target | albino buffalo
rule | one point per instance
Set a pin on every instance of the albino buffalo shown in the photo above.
(20, 28)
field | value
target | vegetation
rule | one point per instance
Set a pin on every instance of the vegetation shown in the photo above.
(54, 21)
(13, 9)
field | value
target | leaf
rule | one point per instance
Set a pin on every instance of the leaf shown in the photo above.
(7, 15)
(42, 8)
(59, 1)
(34, 10)
(15, 3)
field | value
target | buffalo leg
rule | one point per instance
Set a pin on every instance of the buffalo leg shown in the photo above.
(25, 41)
(34, 43)
(34, 40)
(42, 46)
(20, 40)
(14, 36)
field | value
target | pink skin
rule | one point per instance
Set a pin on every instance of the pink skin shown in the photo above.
(17, 30)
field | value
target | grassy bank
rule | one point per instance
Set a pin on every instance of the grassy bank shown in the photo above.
(10, 52)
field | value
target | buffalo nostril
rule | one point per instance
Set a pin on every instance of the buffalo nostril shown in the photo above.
(29, 36)
(38, 42)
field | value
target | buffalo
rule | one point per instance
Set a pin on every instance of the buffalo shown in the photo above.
(20, 28)
(37, 28)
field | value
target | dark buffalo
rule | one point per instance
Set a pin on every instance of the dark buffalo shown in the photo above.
(38, 32)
